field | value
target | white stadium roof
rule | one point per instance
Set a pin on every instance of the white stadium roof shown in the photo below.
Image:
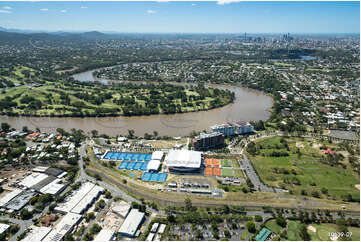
(183, 158)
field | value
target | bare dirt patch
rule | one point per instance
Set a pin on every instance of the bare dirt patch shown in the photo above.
(299, 145)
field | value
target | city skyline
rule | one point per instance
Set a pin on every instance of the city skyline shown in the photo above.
(183, 17)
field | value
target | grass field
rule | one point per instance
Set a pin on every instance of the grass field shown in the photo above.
(227, 172)
(273, 226)
(293, 228)
(311, 174)
(226, 163)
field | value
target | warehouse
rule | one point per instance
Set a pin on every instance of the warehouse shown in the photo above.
(7, 198)
(121, 208)
(53, 188)
(132, 223)
(37, 234)
(20, 200)
(81, 199)
(104, 235)
(88, 199)
(63, 227)
(183, 161)
(33, 179)
(3, 227)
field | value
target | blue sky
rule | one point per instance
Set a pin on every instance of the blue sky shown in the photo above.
(189, 17)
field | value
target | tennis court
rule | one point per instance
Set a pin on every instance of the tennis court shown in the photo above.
(136, 166)
(154, 177)
(127, 156)
(208, 171)
(209, 162)
(226, 163)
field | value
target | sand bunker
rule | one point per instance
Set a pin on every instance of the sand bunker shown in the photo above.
(311, 228)
(357, 186)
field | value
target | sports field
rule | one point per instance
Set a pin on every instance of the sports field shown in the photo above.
(227, 172)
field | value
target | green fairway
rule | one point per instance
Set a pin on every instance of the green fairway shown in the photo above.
(305, 171)
(322, 231)
(226, 163)
(273, 226)
(227, 172)
(293, 228)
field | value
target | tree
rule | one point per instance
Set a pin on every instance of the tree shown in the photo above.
(25, 129)
(303, 233)
(5, 127)
(131, 133)
(188, 203)
(227, 233)
(25, 214)
(281, 222)
(251, 227)
(94, 133)
(258, 218)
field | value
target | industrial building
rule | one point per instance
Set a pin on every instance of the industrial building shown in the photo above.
(53, 188)
(233, 128)
(7, 198)
(3, 227)
(37, 234)
(183, 161)
(65, 225)
(132, 223)
(33, 179)
(81, 199)
(104, 235)
(18, 202)
(121, 208)
(208, 141)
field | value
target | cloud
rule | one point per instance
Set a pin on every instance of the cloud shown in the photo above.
(44, 9)
(63, 11)
(193, 4)
(5, 11)
(83, 7)
(7, 7)
(151, 11)
(222, 2)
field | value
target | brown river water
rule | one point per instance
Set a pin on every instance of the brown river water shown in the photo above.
(248, 105)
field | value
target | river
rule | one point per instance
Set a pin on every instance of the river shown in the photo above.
(248, 105)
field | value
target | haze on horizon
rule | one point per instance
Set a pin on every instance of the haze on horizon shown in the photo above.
(183, 17)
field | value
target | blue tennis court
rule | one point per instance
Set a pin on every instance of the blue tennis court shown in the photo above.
(127, 156)
(137, 166)
(154, 177)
